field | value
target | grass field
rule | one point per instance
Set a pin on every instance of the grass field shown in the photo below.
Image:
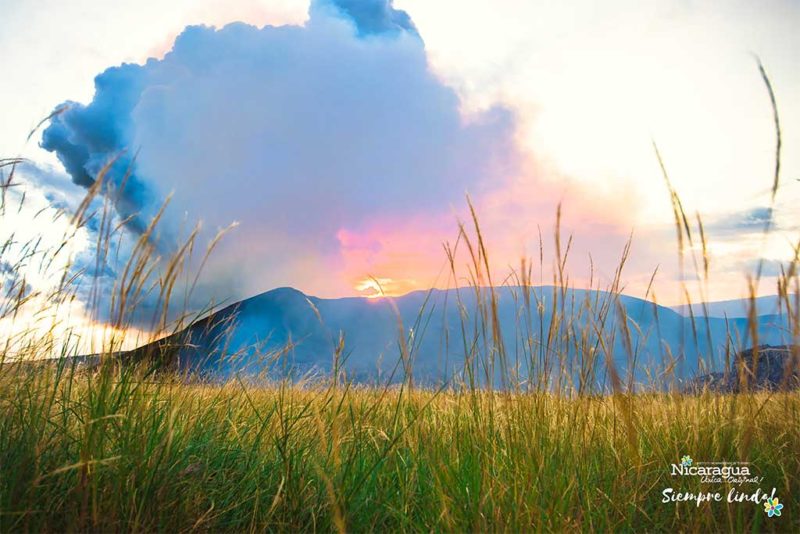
(112, 451)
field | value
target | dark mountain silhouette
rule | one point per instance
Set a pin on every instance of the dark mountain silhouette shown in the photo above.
(286, 333)
(765, 368)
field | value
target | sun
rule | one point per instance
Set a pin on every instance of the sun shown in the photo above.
(375, 288)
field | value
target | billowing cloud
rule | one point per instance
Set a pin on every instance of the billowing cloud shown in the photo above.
(301, 134)
(94, 138)
(371, 17)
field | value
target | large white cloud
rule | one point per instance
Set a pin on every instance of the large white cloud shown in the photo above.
(294, 132)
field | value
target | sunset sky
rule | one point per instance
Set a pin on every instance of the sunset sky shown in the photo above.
(343, 142)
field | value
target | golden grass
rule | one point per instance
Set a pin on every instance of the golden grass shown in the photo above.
(111, 451)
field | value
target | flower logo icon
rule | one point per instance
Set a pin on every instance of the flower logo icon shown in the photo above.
(686, 460)
(772, 507)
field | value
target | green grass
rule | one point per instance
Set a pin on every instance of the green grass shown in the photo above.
(113, 451)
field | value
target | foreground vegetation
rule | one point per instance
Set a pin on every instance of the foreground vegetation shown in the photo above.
(114, 451)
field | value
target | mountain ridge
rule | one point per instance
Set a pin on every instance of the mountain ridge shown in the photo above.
(285, 332)
(732, 308)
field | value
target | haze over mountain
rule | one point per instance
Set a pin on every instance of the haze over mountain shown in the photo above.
(733, 308)
(550, 333)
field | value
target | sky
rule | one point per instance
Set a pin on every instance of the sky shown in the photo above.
(342, 138)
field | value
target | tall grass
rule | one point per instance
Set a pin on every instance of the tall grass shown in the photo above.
(548, 434)
(94, 454)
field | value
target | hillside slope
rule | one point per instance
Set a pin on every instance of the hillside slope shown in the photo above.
(286, 333)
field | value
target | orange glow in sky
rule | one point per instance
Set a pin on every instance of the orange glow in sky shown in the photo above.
(375, 288)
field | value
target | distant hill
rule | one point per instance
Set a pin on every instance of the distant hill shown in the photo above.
(735, 308)
(286, 333)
